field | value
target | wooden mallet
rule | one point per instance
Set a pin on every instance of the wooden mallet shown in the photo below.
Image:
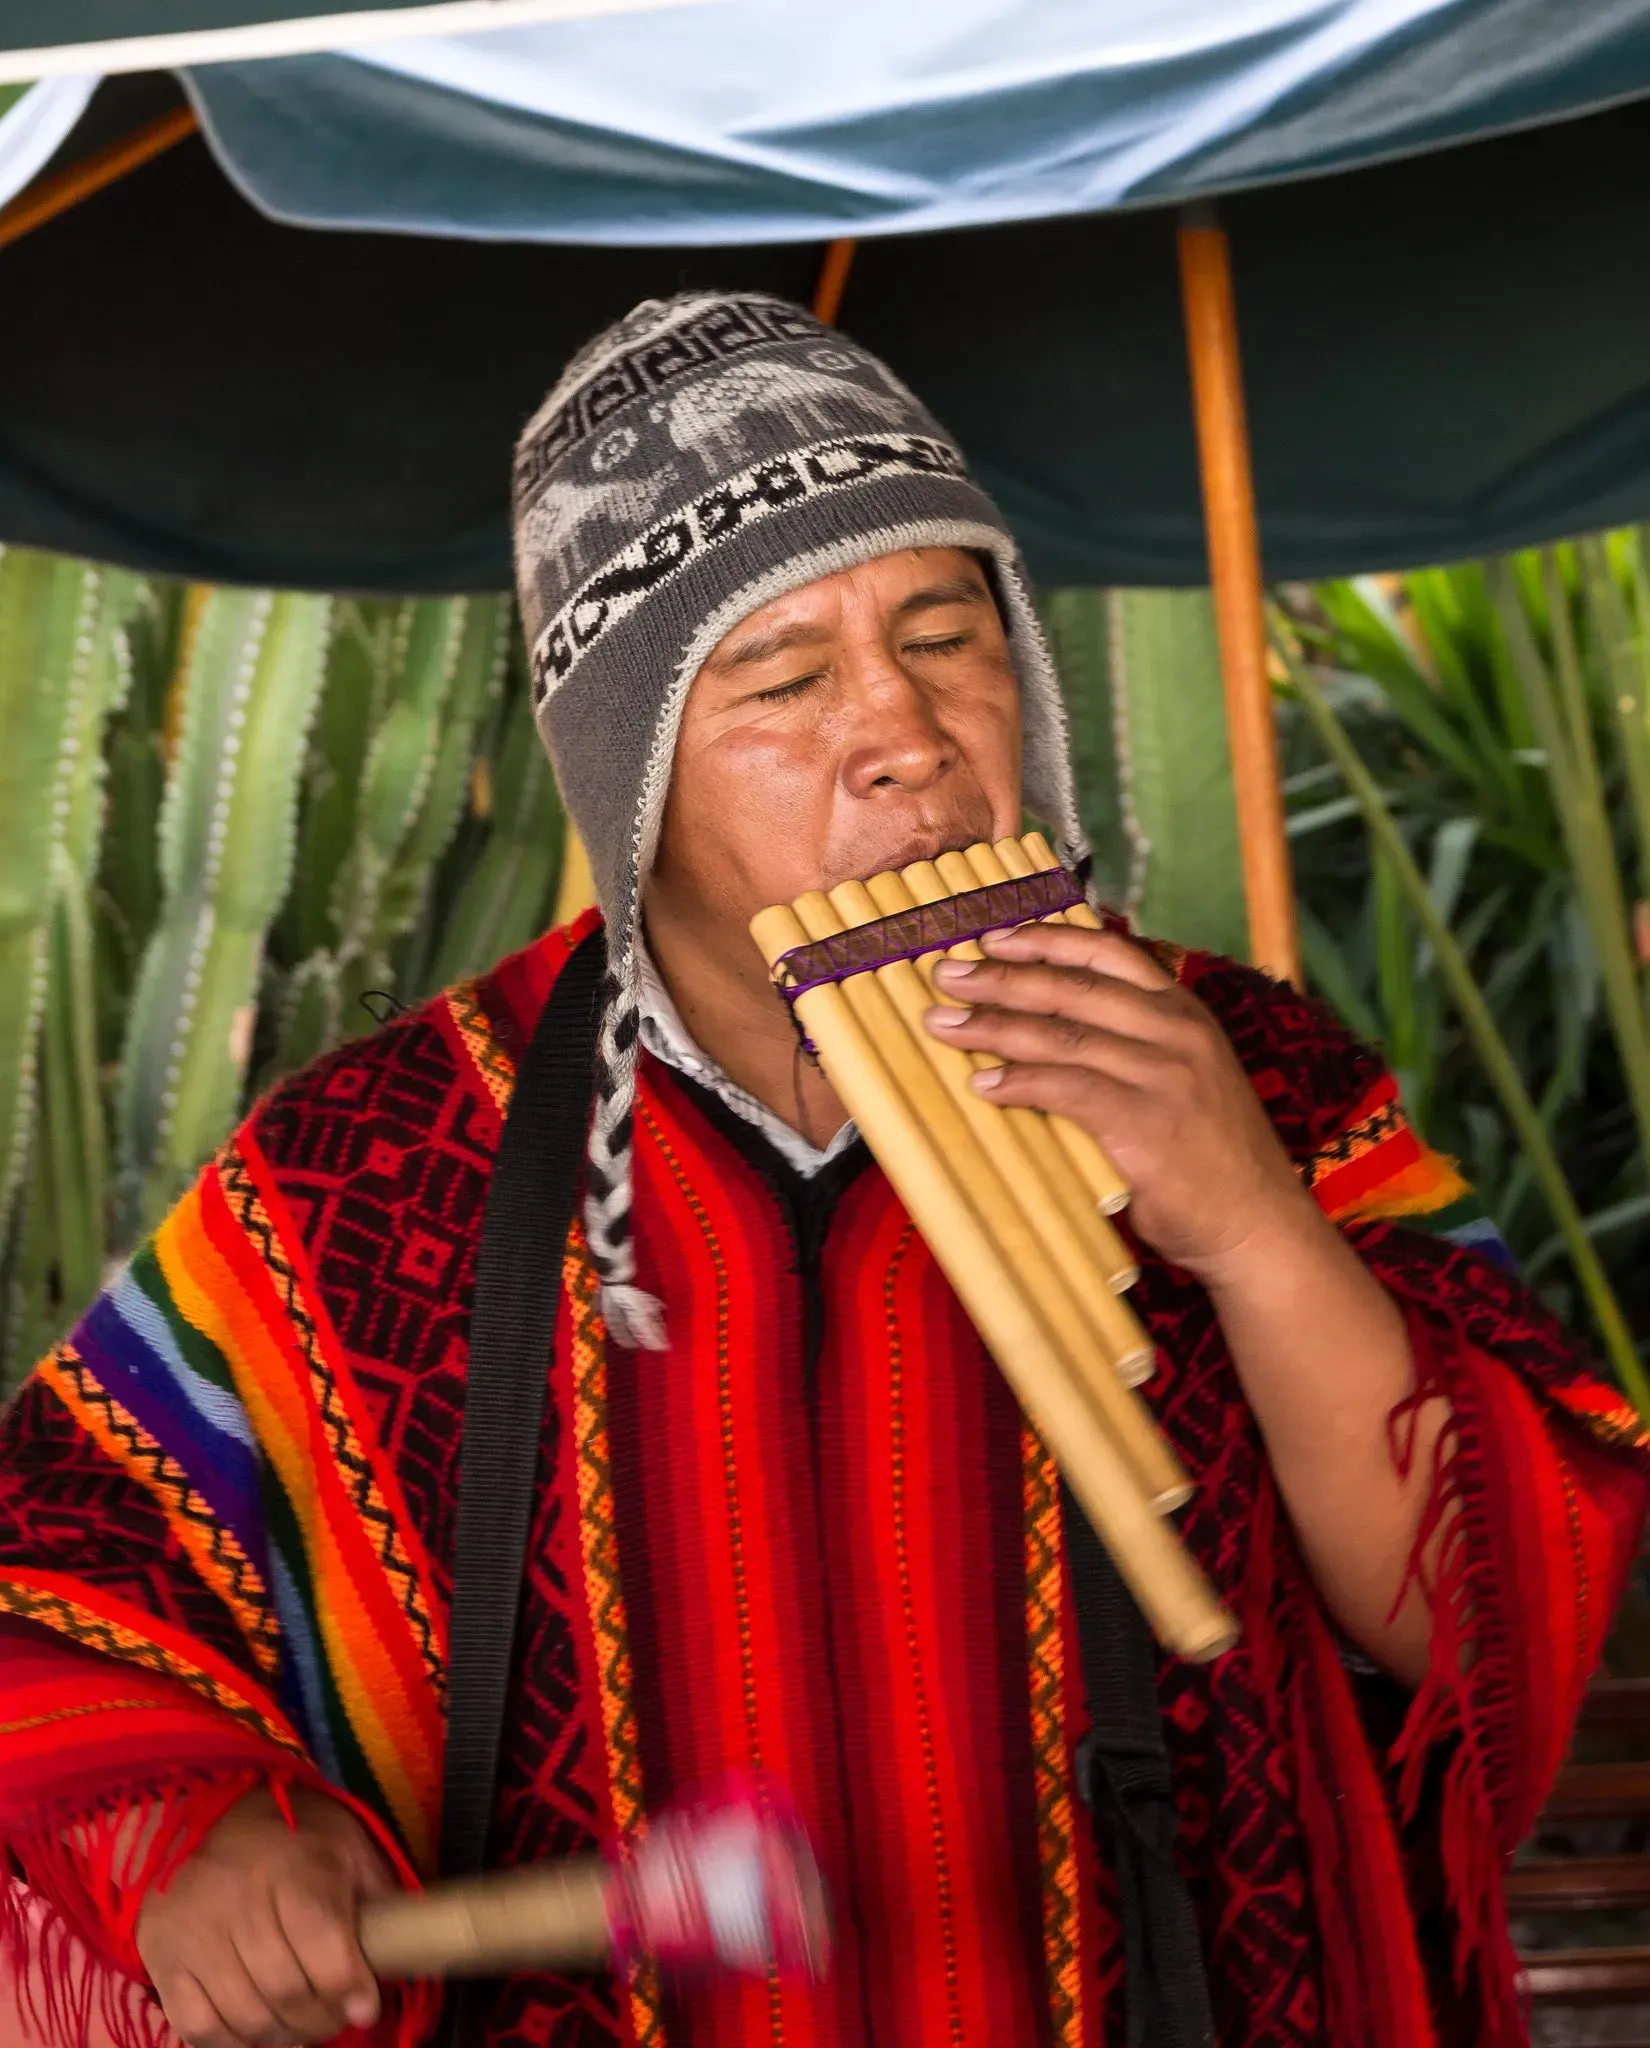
(728, 1882)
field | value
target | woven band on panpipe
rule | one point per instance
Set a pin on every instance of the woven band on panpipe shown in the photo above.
(927, 928)
(1011, 1202)
(729, 1881)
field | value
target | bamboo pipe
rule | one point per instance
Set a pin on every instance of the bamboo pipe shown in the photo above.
(1235, 575)
(1094, 1169)
(1176, 1599)
(552, 1916)
(1073, 1162)
(1107, 1186)
(1100, 1337)
(1102, 1246)
(1065, 1223)
(1036, 1131)
(1032, 854)
(1040, 858)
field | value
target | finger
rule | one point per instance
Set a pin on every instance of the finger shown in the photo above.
(243, 2010)
(192, 2015)
(1072, 945)
(1047, 989)
(323, 1938)
(281, 1981)
(1018, 1036)
(1100, 1102)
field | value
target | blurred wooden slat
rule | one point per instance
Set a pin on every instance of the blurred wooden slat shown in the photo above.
(1579, 1884)
(1600, 1792)
(1617, 1706)
(1587, 1976)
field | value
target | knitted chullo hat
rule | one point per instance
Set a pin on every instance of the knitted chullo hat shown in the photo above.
(705, 455)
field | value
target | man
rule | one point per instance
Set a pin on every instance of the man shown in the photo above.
(788, 1516)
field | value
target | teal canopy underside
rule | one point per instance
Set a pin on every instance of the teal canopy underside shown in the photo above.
(299, 355)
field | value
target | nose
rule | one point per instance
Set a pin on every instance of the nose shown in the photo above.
(894, 739)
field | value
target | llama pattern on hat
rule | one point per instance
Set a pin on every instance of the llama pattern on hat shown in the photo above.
(710, 418)
(573, 525)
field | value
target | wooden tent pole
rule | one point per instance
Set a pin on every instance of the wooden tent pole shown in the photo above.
(1235, 572)
(48, 197)
(833, 279)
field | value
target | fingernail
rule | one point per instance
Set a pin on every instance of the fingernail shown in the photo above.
(987, 1078)
(947, 1016)
(950, 971)
(360, 2009)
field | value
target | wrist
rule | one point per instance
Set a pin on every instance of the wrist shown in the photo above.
(1282, 1235)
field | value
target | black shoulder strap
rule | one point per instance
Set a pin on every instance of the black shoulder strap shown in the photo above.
(1124, 1779)
(524, 1226)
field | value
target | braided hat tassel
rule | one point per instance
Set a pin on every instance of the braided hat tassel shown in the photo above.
(633, 1316)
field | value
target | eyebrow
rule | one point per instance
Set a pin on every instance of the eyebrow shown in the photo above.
(956, 590)
(779, 639)
(760, 646)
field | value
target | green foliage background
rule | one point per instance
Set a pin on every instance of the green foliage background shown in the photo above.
(235, 825)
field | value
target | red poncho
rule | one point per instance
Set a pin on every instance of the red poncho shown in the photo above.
(812, 1537)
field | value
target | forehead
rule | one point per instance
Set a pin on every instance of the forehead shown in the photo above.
(910, 577)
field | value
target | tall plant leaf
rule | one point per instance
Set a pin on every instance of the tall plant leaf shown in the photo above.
(1175, 767)
(249, 690)
(1562, 718)
(1492, 1048)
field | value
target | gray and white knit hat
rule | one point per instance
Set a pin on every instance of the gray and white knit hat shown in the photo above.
(703, 456)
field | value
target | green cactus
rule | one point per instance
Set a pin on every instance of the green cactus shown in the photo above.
(47, 608)
(376, 896)
(409, 689)
(72, 1142)
(1077, 622)
(63, 671)
(1142, 670)
(505, 898)
(128, 891)
(478, 678)
(250, 688)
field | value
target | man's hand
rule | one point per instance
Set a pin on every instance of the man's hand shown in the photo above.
(1094, 1029)
(253, 1944)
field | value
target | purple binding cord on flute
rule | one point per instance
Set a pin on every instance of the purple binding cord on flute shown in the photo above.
(929, 928)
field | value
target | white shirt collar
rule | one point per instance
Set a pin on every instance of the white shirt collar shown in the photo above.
(668, 1039)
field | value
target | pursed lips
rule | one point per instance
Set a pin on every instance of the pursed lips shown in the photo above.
(925, 846)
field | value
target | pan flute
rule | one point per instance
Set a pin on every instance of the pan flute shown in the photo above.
(1013, 1204)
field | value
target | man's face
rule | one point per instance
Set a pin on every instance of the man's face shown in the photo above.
(867, 720)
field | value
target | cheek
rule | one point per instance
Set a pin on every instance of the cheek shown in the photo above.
(986, 728)
(747, 811)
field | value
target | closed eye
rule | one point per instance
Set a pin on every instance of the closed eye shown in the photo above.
(952, 644)
(781, 691)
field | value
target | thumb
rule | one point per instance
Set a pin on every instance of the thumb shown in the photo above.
(356, 1855)
(369, 1868)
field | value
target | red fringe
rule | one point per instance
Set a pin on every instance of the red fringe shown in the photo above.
(1352, 1803)
(1467, 1692)
(61, 1989)
(68, 1925)
(69, 1910)
(1372, 1988)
